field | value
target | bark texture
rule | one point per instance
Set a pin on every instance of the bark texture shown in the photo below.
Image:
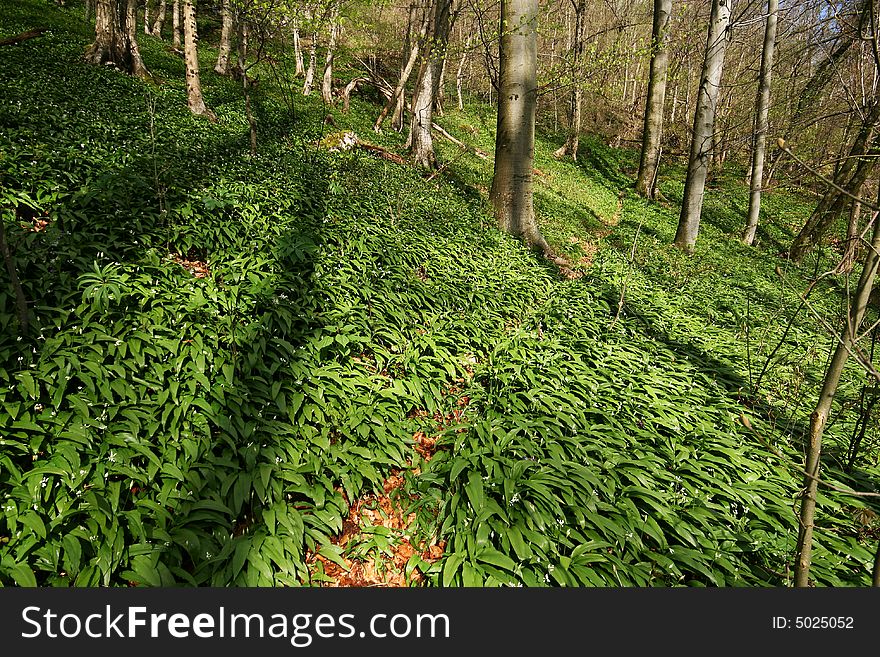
(194, 99)
(159, 23)
(511, 192)
(115, 37)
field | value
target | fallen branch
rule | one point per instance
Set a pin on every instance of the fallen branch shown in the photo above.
(24, 36)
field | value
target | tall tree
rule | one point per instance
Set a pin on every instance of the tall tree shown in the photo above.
(222, 65)
(433, 53)
(702, 139)
(194, 99)
(327, 78)
(761, 122)
(115, 37)
(819, 417)
(161, 13)
(175, 25)
(511, 192)
(653, 125)
(850, 175)
(570, 147)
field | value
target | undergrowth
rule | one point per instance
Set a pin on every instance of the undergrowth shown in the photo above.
(227, 351)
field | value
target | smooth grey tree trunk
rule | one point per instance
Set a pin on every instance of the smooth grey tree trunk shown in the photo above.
(309, 81)
(222, 65)
(819, 416)
(762, 125)
(655, 105)
(175, 25)
(298, 53)
(572, 141)
(194, 99)
(327, 78)
(704, 126)
(160, 19)
(420, 140)
(511, 192)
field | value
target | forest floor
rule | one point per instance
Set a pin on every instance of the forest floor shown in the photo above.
(310, 367)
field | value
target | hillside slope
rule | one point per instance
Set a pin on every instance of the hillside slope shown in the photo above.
(274, 370)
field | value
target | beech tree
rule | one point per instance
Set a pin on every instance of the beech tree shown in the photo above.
(761, 123)
(511, 192)
(702, 139)
(570, 147)
(115, 37)
(194, 99)
(420, 140)
(655, 105)
(327, 78)
(225, 47)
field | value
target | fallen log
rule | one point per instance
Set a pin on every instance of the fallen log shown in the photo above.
(24, 36)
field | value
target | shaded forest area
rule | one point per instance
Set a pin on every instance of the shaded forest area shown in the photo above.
(441, 293)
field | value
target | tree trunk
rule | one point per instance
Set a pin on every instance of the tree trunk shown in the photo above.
(194, 99)
(420, 140)
(298, 53)
(511, 192)
(89, 9)
(115, 37)
(459, 75)
(704, 126)
(852, 247)
(851, 175)
(327, 79)
(147, 24)
(761, 123)
(310, 71)
(570, 147)
(820, 414)
(160, 19)
(222, 65)
(175, 24)
(655, 105)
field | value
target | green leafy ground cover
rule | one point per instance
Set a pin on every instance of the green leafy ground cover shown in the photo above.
(165, 428)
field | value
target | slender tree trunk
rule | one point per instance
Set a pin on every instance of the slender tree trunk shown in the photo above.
(309, 82)
(194, 99)
(511, 192)
(147, 24)
(851, 175)
(656, 103)
(397, 98)
(160, 19)
(420, 139)
(570, 147)
(459, 75)
(327, 79)
(819, 417)
(704, 126)
(851, 249)
(222, 65)
(175, 25)
(89, 9)
(762, 125)
(116, 37)
(298, 53)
